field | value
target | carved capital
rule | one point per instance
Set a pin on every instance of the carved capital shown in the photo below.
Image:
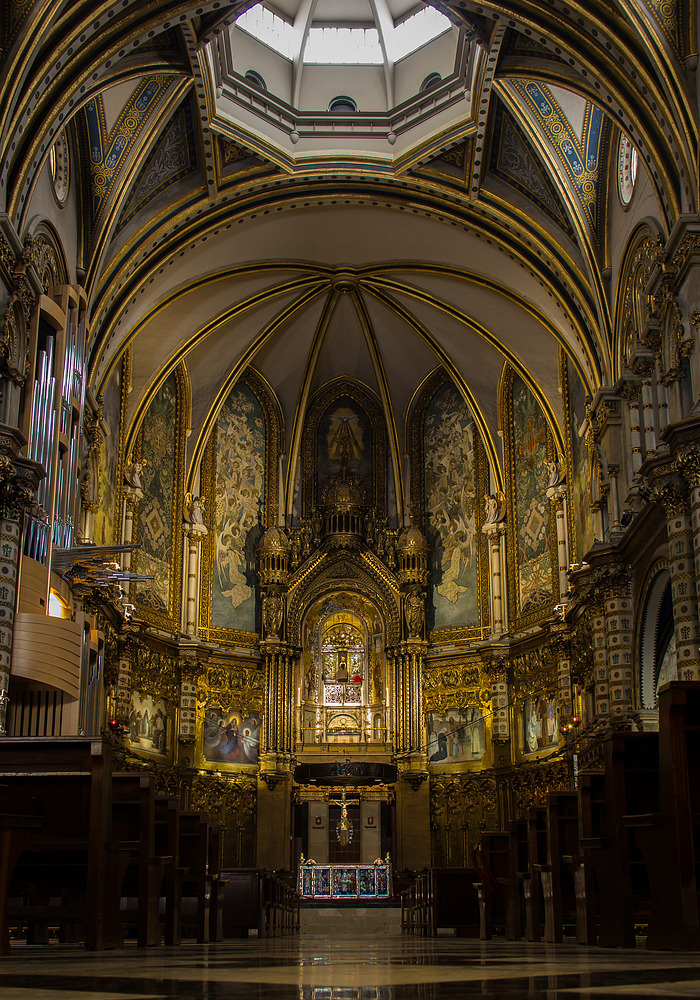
(688, 464)
(673, 496)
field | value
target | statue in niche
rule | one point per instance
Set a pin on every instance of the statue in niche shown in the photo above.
(556, 476)
(414, 614)
(273, 610)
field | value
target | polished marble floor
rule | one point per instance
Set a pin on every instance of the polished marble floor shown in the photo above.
(348, 968)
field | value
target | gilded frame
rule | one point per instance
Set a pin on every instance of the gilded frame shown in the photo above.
(228, 685)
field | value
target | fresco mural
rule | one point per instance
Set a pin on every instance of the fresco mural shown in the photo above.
(456, 735)
(530, 454)
(148, 723)
(103, 525)
(345, 428)
(580, 490)
(230, 737)
(238, 507)
(540, 724)
(156, 510)
(449, 436)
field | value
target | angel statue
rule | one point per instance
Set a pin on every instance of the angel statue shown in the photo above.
(195, 506)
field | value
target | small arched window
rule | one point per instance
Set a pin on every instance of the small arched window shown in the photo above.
(342, 103)
(431, 80)
(255, 79)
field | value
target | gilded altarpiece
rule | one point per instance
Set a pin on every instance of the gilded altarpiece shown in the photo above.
(160, 451)
(531, 530)
(578, 460)
(154, 695)
(457, 703)
(239, 485)
(449, 473)
(533, 690)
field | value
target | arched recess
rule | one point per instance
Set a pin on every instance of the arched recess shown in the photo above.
(344, 399)
(353, 573)
(239, 484)
(449, 482)
(657, 648)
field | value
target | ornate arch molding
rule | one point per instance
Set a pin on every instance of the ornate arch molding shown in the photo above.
(644, 253)
(355, 574)
(324, 398)
(649, 616)
(28, 271)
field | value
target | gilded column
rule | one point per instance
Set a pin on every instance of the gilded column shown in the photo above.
(672, 493)
(495, 532)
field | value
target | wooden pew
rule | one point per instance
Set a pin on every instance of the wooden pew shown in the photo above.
(492, 864)
(529, 875)
(667, 836)
(453, 901)
(167, 843)
(196, 882)
(517, 863)
(629, 786)
(67, 782)
(558, 891)
(138, 869)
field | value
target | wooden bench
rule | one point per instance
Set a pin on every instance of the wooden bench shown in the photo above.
(56, 871)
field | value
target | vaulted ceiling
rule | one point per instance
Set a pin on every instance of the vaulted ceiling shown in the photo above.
(469, 224)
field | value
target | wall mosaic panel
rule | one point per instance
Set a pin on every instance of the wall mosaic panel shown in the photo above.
(344, 427)
(239, 493)
(108, 462)
(239, 485)
(452, 509)
(580, 513)
(531, 534)
(159, 449)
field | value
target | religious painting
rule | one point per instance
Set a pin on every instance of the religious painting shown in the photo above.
(449, 447)
(540, 724)
(455, 736)
(532, 509)
(580, 487)
(239, 491)
(148, 723)
(108, 455)
(230, 737)
(157, 510)
(345, 440)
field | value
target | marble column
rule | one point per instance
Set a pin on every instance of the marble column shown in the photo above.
(557, 497)
(601, 691)
(495, 533)
(132, 496)
(619, 638)
(194, 533)
(672, 493)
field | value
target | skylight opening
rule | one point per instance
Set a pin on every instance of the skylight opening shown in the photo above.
(343, 46)
(269, 29)
(416, 31)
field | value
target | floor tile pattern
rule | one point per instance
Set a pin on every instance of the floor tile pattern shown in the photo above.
(348, 968)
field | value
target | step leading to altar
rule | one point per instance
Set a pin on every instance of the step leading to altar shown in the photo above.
(351, 921)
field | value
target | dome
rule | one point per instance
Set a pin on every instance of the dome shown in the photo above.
(367, 78)
(344, 491)
(412, 540)
(274, 540)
